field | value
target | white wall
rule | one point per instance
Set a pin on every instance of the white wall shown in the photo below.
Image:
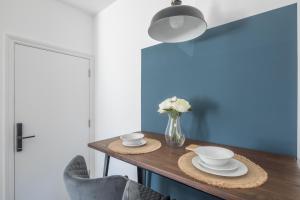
(48, 21)
(121, 33)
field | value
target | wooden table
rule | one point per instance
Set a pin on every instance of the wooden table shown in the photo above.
(283, 171)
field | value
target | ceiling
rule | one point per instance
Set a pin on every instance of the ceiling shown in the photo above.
(90, 6)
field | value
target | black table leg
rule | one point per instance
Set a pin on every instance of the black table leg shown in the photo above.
(148, 179)
(141, 175)
(106, 165)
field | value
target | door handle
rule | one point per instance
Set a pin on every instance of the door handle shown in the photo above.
(20, 137)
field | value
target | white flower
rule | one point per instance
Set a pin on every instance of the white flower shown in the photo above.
(166, 104)
(182, 105)
(174, 99)
(174, 104)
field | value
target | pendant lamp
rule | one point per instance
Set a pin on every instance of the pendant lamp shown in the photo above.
(177, 23)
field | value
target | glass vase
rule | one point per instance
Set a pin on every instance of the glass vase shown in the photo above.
(174, 136)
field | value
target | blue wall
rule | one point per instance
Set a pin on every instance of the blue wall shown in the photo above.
(241, 80)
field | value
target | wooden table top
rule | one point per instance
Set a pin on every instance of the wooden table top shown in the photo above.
(283, 171)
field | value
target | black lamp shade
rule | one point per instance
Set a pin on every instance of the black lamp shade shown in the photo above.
(177, 23)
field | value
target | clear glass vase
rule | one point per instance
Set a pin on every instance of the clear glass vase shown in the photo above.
(173, 134)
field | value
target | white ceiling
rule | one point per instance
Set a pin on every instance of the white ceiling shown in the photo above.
(90, 6)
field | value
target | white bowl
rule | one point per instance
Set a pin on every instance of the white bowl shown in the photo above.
(132, 137)
(136, 143)
(215, 156)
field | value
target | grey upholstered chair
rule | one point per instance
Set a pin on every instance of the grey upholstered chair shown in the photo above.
(81, 187)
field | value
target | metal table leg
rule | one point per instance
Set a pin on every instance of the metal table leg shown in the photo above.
(141, 175)
(106, 165)
(148, 178)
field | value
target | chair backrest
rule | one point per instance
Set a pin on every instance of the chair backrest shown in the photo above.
(81, 187)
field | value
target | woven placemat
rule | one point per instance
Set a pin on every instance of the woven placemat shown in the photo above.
(150, 146)
(255, 177)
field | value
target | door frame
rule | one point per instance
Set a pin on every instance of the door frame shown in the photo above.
(9, 136)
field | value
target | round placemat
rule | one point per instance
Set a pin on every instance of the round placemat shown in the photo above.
(255, 177)
(150, 146)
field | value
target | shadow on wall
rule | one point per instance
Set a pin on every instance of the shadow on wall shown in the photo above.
(201, 108)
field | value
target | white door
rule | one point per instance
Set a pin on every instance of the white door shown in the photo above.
(52, 102)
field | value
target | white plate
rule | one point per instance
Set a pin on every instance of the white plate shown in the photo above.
(232, 164)
(240, 171)
(212, 155)
(138, 144)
